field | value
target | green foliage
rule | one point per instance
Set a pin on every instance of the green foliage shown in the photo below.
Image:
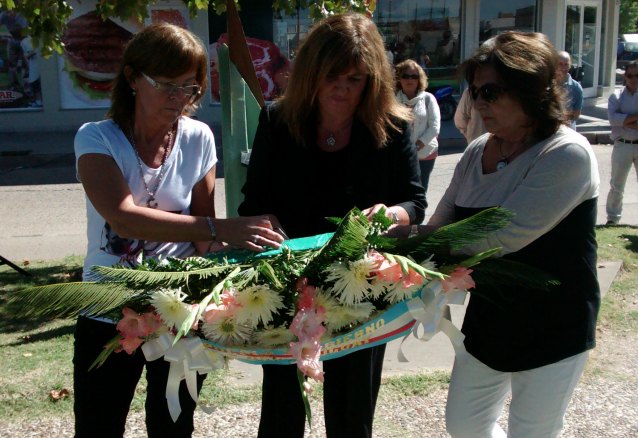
(69, 299)
(47, 18)
(628, 19)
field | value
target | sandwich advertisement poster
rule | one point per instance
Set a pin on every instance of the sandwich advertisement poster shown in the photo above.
(93, 49)
(19, 65)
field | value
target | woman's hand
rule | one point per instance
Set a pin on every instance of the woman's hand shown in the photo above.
(397, 214)
(419, 145)
(250, 232)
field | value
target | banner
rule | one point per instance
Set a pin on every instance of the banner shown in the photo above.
(20, 84)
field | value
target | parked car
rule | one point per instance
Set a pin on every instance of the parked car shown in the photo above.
(627, 49)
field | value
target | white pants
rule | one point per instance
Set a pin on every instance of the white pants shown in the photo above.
(622, 157)
(540, 397)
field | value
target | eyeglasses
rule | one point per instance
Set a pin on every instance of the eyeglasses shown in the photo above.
(189, 91)
(488, 92)
(407, 76)
(631, 76)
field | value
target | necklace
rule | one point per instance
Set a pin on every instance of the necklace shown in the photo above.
(331, 139)
(151, 202)
(505, 159)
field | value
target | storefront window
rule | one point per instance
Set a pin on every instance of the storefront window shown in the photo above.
(426, 31)
(501, 15)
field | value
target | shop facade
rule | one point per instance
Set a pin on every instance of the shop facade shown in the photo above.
(438, 34)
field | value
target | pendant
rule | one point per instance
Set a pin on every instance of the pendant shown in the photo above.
(501, 164)
(331, 140)
(151, 203)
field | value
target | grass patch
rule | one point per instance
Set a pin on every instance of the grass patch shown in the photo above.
(619, 310)
(36, 355)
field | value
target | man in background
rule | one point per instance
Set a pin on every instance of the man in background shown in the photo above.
(622, 110)
(573, 89)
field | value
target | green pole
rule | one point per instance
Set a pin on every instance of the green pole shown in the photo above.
(240, 116)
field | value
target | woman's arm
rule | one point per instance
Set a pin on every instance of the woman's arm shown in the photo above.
(433, 123)
(109, 193)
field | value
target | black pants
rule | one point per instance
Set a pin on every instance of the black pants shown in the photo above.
(350, 388)
(426, 167)
(102, 396)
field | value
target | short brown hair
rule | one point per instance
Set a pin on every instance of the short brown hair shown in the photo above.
(334, 45)
(410, 64)
(527, 64)
(160, 49)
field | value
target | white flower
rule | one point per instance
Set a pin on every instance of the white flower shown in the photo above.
(351, 280)
(342, 316)
(274, 336)
(399, 292)
(429, 264)
(257, 303)
(226, 331)
(169, 304)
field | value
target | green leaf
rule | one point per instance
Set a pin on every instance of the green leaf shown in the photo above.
(69, 299)
(109, 348)
(197, 312)
(145, 278)
(304, 396)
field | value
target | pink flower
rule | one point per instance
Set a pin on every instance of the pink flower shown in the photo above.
(130, 344)
(133, 324)
(308, 324)
(226, 308)
(411, 279)
(307, 297)
(152, 321)
(307, 353)
(460, 279)
(389, 272)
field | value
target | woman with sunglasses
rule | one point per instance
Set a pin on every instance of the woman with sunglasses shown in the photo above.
(148, 171)
(532, 344)
(411, 84)
(335, 140)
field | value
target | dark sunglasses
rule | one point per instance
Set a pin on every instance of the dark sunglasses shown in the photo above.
(488, 92)
(631, 76)
(407, 76)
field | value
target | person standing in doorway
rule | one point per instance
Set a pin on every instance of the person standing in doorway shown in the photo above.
(574, 91)
(426, 125)
(622, 110)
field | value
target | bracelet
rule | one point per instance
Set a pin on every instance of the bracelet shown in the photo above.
(211, 227)
(414, 231)
(395, 217)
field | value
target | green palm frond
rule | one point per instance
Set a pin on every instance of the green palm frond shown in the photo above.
(453, 236)
(145, 278)
(69, 299)
(349, 240)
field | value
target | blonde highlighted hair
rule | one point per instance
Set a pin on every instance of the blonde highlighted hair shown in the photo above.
(333, 46)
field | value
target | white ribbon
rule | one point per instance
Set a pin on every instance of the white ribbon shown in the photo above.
(432, 312)
(187, 357)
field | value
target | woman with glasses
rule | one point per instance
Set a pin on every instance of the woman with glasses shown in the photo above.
(148, 171)
(532, 344)
(335, 140)
(411, 84)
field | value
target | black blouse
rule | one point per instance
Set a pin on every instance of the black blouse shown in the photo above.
(302, 185)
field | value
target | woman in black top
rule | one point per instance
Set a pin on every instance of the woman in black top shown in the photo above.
(334, 141)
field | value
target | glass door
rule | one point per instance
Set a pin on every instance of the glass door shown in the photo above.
(582, 41)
